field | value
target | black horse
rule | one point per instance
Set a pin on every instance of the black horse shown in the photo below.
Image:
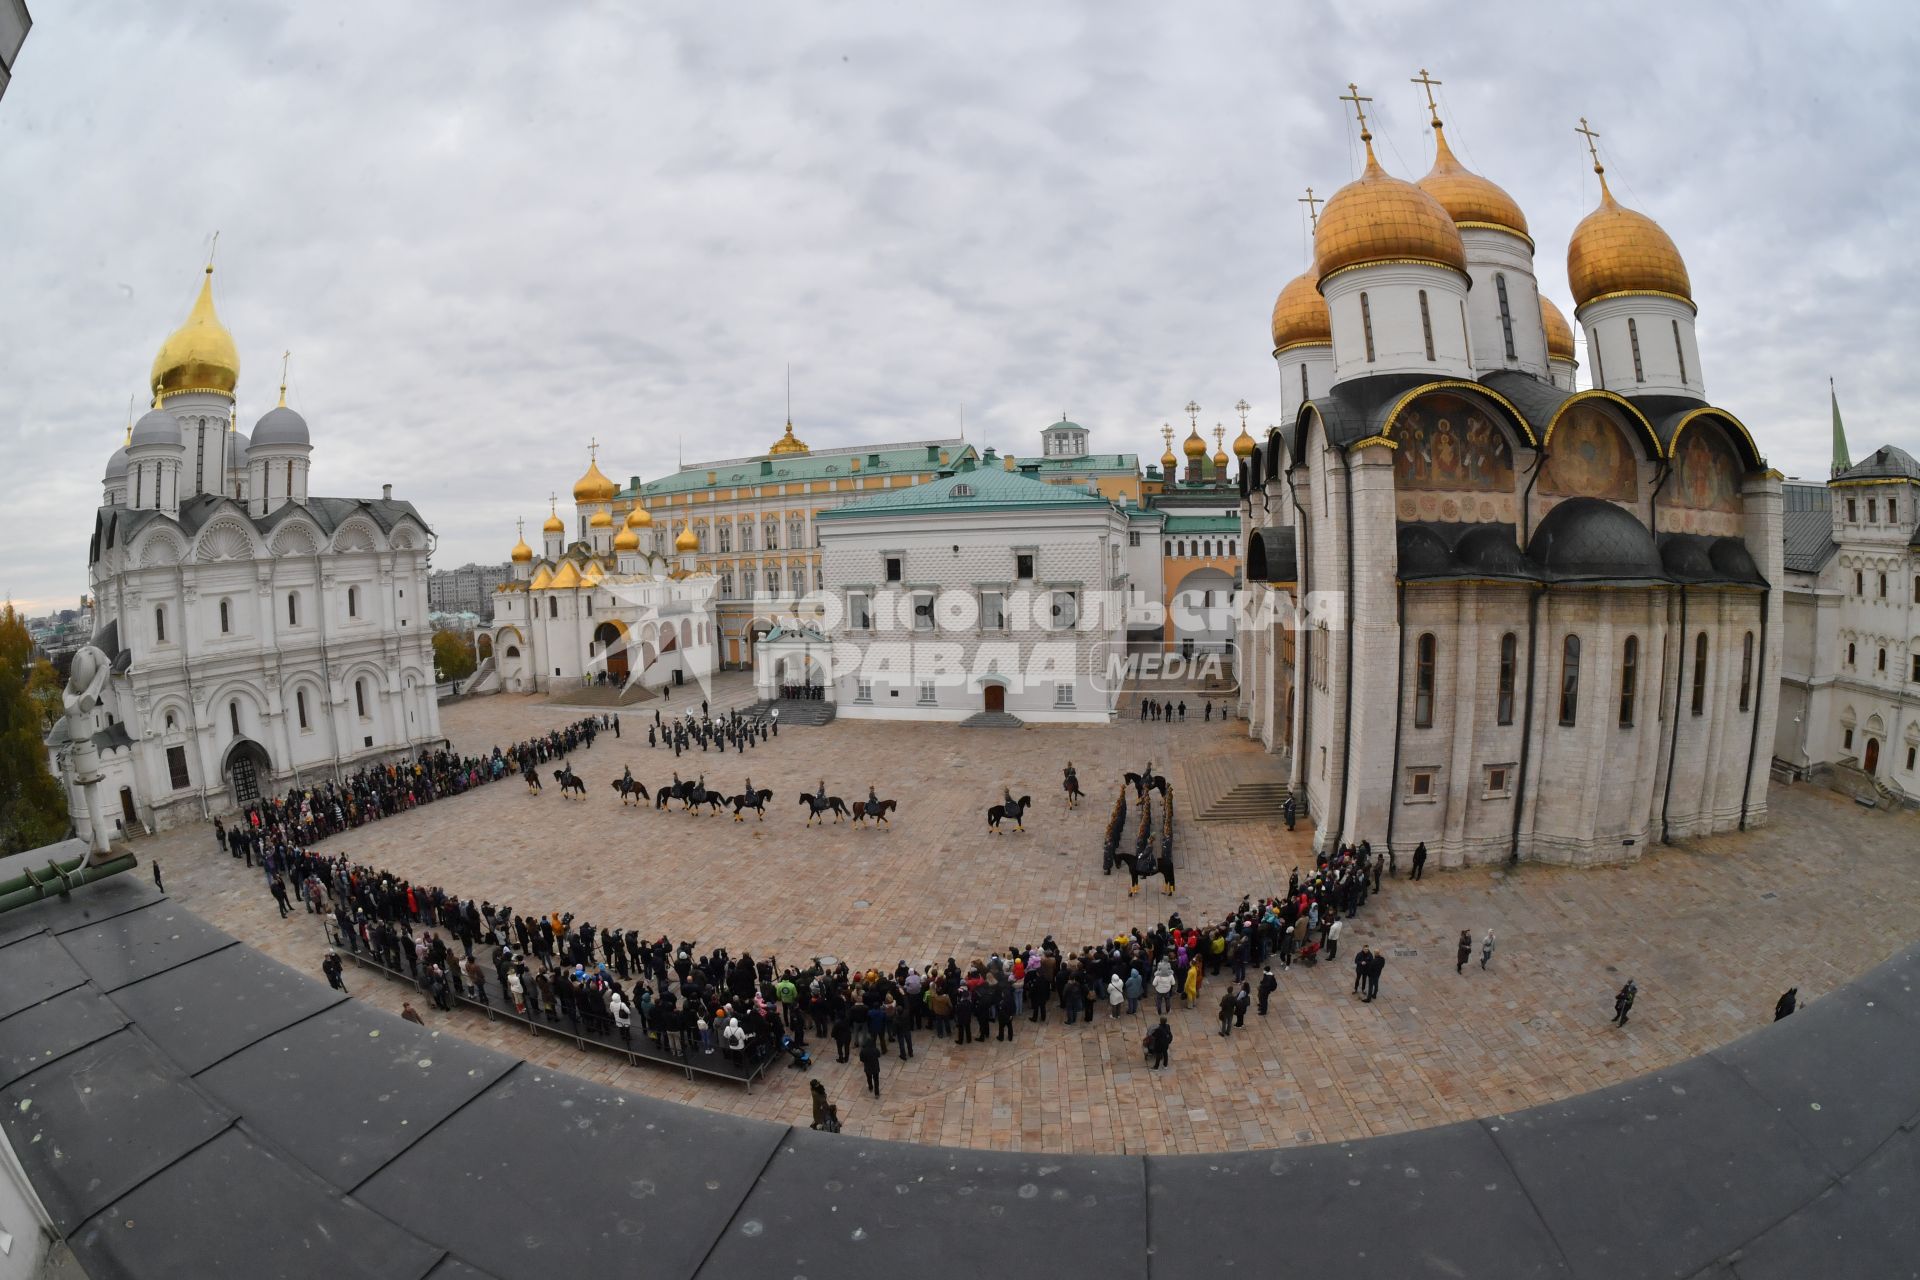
(631, 791)
(816, 806)
(1014, 809)
(569, 781)
(755, 800)
(532, 775)
(1143, 782)
(878, 811)
(1070, 783)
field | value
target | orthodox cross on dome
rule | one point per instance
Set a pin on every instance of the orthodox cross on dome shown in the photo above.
(553, 503)
(1427, 82)
(1193, 416)
(1592, 150)
(1166, 433)
(1219, 436)
(210, 251)
(1354, 96)
(520, 529)
(593, 449)
(1313, 204)
(1244, 409)
(285, 358)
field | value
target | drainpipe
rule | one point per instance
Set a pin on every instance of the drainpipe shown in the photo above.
(1346, 728)
(1526, 720)
(1303, 637)
(186, 671)
(326, 665)
(1399, 702)
(1759, 690)
(1673, 740)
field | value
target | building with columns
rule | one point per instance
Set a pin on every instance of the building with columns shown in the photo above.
(1486, 611)
(259, 636)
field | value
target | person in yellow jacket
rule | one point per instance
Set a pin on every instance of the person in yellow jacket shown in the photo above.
(1192, 991)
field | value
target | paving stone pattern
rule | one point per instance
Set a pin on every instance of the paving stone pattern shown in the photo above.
(1713, 932)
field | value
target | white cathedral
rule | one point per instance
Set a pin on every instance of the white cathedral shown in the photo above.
(256, 637)
(1539, 622)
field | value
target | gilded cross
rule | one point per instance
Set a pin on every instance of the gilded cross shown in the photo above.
(1591, 149)
(1354, 96)
(593, 449)
(1193, 415)
(1313, 204)
(1428, 82)
(1244, 409)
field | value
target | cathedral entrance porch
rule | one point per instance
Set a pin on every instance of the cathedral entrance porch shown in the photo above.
(247, 763)
(993, 697)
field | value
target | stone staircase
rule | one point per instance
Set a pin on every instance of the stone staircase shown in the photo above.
(806, 712)
(993, 720)
(1234, 789)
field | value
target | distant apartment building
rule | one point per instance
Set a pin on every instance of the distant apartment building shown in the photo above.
(468, 589)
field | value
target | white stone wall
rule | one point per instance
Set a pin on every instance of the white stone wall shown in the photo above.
(1656, 319)
(1494, 253)
(1393, 309)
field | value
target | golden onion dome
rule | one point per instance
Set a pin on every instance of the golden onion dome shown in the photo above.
(554, 524)
(199, 355)
(1243, 444)
(1379, 218)
(1620, 250)
(1193, 446)
(626, 540)
(594, 486)
(522, 553)
(1220, 462)
(639, 517)
(1168, 462)
(788, 443)
(1559, 332)
(1300, 315)
(687, 541)
(599, 520)
(1469, 199)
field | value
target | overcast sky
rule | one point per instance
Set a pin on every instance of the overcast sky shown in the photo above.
(492, 232)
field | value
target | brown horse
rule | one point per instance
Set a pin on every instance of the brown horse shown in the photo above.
(878, 811)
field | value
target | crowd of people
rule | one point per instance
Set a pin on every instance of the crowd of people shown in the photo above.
(307, 815)
(707, 731)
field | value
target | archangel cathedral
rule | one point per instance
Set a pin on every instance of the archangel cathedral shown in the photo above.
(1517, 619)
(251, 636)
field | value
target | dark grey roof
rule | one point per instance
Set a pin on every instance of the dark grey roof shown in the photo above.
(199, 1109)
(1271, 556)
(1700, 558)
(1589, 539)
(280, 425)
(1808, 539)
(1888, 462)
(1538, 400)
(113, 737)
(1435, 551)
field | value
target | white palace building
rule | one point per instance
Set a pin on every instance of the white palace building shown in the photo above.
(255, 636)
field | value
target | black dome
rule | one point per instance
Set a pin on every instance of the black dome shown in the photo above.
(1423, 554)
(1732, 560)
(1491, 551)
(1591, 538)
(1686, 558)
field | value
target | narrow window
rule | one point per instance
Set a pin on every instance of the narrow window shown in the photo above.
(1700, 674)
(1629, 680)
(1679, 351)
(140, 475)
(289, 480)
(1506, 315)
(1570, 681)
(1633, 338)
(1023, 566)
(1880, 663)
(1746, 670)
(1366, 324)
(1883, 586)
(1893, 511)
(1910, 759)
(1509, 652)
(1426, 323)
(1849, 653)
(360, 697)
(293, 609)
(1853, 511)
(233, 717)
(353, 602)
(1423, 682)
(160, 617)
(1599, 365)
(1846, 739)
(893, 568)
(1304, 397)
(226, 618)
(300, 705)
(1873, 511)
(553, 606)
(1859, 583)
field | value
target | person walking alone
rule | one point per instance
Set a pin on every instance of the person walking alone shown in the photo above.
(870, 1062)
(1464, 952)
(1623, 1003)
(1268, 985)
(1159, 1040)
(1226, 1012)
(1789, 1001)
(1419, 860)
(1486, 949)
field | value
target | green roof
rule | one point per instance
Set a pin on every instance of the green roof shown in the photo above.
(1088, 462)
(1203, 524)
(983, 488)
(795, 468)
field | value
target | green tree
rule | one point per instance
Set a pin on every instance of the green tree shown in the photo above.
(452, 655)
(33, 806)
(43, 690)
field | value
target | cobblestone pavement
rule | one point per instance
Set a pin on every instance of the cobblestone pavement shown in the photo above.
(1713, 932)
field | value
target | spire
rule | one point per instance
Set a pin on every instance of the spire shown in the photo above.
(1841, 460)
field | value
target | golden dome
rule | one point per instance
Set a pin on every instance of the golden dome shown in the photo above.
(687, 541)
(593, 486)
(1243, 444)
(554, 524)
(626, 540)
(1619, 250)
(639, 517)
(599, 520)
(1300, 315)
(1559, 333)
(1468, 198)
(199, 355)
(788, 443)
(522, 553)
(1169, 463)
(1194, 446)
(1379, 218)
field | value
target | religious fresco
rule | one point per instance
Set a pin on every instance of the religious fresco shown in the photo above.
(1703, 495)
(1590, 457)
(1453, 463)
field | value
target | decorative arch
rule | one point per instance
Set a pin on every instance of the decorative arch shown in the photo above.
(356, 534)
(1635, 418)
(1516, 420)
(296, 538)
(160, 548)
(237, 688)
(225, 539)
(1738, 435)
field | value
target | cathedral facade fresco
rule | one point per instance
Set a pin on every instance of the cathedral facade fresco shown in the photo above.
(1704, 494)
(1590, 456)
(1453, 463)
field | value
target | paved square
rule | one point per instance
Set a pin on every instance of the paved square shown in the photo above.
(1712, 931)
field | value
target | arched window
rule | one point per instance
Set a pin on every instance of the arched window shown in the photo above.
(1506, 313)
(1679, 351)
(1509, 655)
(360, 697)
(1423, 681)
(233, 716)
(159, 624)
(1303, 385)
(1633, 339)
(293, 608)
(726, 537)
(1426, 323)
(1700, 674)
(289, 479)
(300, 706)
(353, 602)
(1850, 659)
(1883, 577)
(553, 606)
(226, 617)
(1629, 680)
(1570, 681)
(1880, 662)
(1746, 669)
(1873, 511)
(1366, 324)
(1599, 365)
